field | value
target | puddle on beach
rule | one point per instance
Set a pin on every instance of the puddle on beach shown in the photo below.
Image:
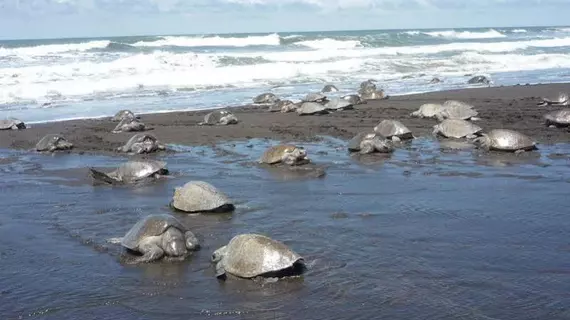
(432, 231)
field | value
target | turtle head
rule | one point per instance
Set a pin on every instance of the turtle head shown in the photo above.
(218, 254)
(293, 156)
(59, 143)
(173, 242)
(482, 141)
(192, 242)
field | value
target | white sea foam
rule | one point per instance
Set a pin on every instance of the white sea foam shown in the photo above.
(519, 31)
(208, 41)
(43, 50)
(452, 34)
(330, 44)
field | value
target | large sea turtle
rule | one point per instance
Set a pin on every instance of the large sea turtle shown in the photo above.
(53, 142)
(142, 143)
(219, 117)
(372, 94)
(133, 171)
(563, 100)
(329, 88)
(314, 97)
(254, 255)
(122, 114)
(505, 140)
(335, 104)
(285, 153)
(457, 128)
(394, 130)
(279, 105)
(453, 109)
(12, 124)
(311, 108)
(160, 235)
(366, 143)
(479, 80)
(559, 118)
(200, 196)
(353, 99)
(368, 85)
(129, 124)
(428, 110)
(265, 98)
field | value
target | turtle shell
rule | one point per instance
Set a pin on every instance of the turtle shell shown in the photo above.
(200, 196)
(338, 104)
(214, 117)
(150, 226)
(138, 169)
(251, 255)
(509, 140)
(311, 108)
(354, 143)
(329, 88)
(457, 128)
(314, 97)
(138, 138)
(275, 154)
(559, 117)
(9, 123)
(122, 114)
(266, 98)
(458, 110)
(428, 110)
(390, 128)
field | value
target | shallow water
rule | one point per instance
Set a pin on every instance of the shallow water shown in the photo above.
(426, 233)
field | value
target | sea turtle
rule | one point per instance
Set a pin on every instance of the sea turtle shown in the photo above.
(142, 143)
(132, 172)
(129, 125)
(219, 117)
(457, 128)
(12, 124)
(291, 107)
(559, 118)
(122, 114)
(368, 85)
(435, 80)
(366, 143)
(279, 105)
(53, 142)
(428, 110)
(354, 99)
(285, 153)
(314, 97)
(453, 109)
(311, 108)
(505, 140)
(562, 100)
(265, 98)
(372, 94)
(338, 104)
(329, 88)
(200, 196)
(393, 129)
(159, 235)
(479, 80)
(254, 255)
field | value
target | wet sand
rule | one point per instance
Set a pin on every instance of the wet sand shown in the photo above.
(499, 107)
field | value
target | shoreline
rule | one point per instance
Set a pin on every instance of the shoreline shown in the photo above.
(509, 107)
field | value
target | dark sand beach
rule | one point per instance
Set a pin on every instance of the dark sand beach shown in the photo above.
(499, 107)
(423, 233)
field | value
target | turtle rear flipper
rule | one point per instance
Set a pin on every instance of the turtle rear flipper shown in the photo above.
(102, 177)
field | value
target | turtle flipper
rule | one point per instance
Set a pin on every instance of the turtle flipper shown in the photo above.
(151, 252)
(102, 176)
(220, 271)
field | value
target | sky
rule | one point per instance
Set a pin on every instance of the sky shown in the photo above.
(32, 19)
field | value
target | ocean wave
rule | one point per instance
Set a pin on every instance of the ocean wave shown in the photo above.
(43, 50)
(452, 34)
(209, 41)
(328, 43)
(519, 31)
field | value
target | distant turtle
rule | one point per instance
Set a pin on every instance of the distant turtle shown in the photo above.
(265, 98)
(435, 80)
(254, 255)
(372, 94)
(559, 118)
(329, 88)
(122, 114)
(53, 142)
(366, 143)
(453, 109)
(314, 97)
(393, 129)
(368, 85)
(200, 196)
(278, 106)
(129, 125)
(457, 128)
(291, 107)
(12, 124)
(505, 140)
(132, 172)
(285, 153)
(159, 235)
(479, 80)
(562, 100)
(311, 108)
(428, 110)
(142, 143)
(219, 117)
(338, 104)
(353, 99)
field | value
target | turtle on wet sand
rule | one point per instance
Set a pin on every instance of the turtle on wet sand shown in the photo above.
(428, 110)
(314, 97)
(290, 107)
(394, 130)
(122, 114)
(219, 117)
(134, 171)
(353, 99)
(479, 80)
(265, 98)
(558, 118)
(505, 140)
(285, 153)
(254, 255)
(311, 108)
(160, 235)
(453, 109)
(200, 196)
(563, 100)
(53, 142)
(279, 105)
(338, 104)
(329, 88)
(12, 124)
(142, 143)
(129, 125)
(366, 143)
(457, 128)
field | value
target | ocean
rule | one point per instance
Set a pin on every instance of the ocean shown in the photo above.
(49, 80)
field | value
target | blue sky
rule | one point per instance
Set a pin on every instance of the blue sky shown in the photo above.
(84, 18)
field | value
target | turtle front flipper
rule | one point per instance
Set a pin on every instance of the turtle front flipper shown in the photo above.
(192, 243)
(102, 176)
(151, 252)
(220, 270)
